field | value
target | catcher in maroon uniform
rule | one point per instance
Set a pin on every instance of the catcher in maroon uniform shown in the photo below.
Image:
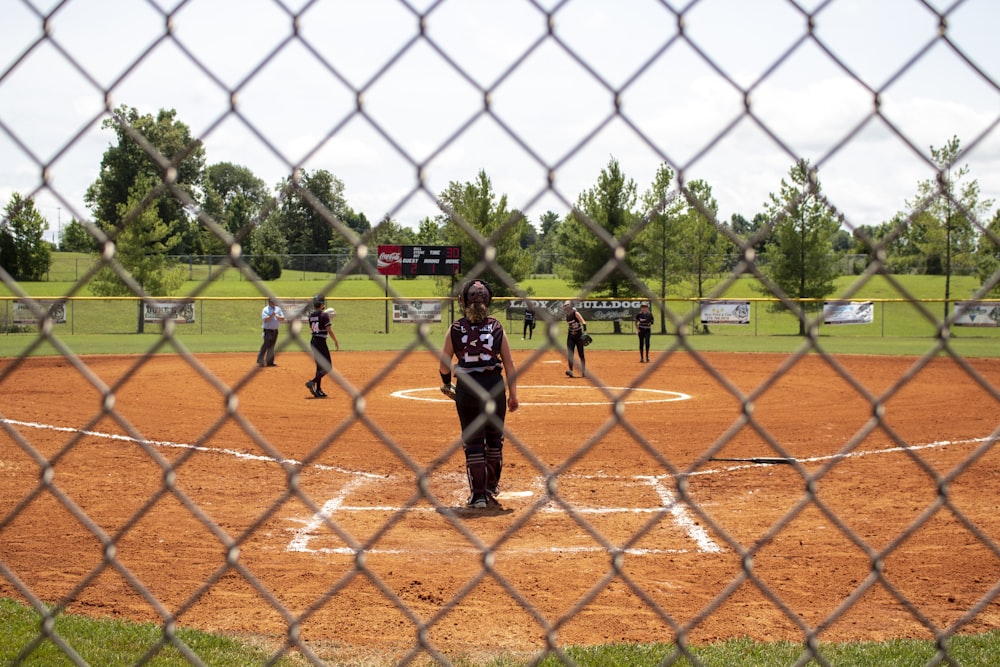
(480, 344)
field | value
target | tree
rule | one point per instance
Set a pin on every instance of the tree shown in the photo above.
(148, 149)
(657, 258)
(24, 253)
(236, 199)
(988, 256)
(142, 247)
(269, 248)
(606, 210)
(944, 216)
(429, 232)
(75, 238)
(801, 262)
(547, 248)
(390, 232)
(701, 247)
(471, 210)
(356, 221)
(310, 214)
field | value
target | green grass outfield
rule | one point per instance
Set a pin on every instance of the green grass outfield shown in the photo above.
(228, 312)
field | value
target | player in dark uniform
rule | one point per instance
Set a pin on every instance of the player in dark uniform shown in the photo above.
(575, 328)
(644, 328)
(319, 325)
(529, 322)
(483, 352)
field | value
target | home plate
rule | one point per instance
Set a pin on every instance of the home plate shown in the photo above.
(515, 494)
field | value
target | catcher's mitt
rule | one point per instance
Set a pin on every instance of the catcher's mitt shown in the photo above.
(586, 339)
(448, 390)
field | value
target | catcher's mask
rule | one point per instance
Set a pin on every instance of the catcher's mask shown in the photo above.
(319, 301)
(476, 291)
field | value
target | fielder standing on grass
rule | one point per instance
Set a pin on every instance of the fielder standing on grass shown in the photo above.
(529, 321)
(481, 346)
(319, 325)
(644, 329)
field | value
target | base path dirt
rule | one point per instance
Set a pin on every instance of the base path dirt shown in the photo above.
(226, 495)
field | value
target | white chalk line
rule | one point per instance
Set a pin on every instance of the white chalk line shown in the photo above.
(850, 455)
(680, 515)
(634, 398)
(235, 453)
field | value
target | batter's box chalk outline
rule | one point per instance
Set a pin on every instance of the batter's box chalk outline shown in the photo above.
(680, 516)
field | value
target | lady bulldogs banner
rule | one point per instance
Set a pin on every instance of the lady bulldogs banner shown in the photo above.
(848, 312)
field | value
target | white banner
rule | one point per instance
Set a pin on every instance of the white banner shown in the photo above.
(848, 312)
(180, 312)
(416, 311)
(975, 314)
(725, 312)
(296, 309)
(23, 314)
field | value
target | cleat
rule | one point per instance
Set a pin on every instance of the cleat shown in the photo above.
(478, 502)
(569, 374)
(320, 393)
(311, 386)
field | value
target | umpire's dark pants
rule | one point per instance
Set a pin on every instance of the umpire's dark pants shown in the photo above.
(265, 357)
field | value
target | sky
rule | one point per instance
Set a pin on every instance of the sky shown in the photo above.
(400, 98)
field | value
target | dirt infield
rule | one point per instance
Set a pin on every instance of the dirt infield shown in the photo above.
(168, 451)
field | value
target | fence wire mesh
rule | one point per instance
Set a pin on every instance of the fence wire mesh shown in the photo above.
(342, 94)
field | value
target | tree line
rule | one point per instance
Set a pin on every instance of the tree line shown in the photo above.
(157, 198)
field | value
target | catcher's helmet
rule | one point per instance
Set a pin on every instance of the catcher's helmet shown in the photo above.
(476, 291)
(319, 301)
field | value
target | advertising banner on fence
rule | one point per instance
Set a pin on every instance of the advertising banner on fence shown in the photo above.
(416, 311)
(725, 312)
(179, 312)
(975, 314)
(593, 310)
(848, 312)
(296, 309)
(24, 315)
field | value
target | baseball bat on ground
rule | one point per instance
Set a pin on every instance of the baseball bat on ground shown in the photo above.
(772, 460)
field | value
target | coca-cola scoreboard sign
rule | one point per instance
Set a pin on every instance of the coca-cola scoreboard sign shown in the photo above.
(419, 260)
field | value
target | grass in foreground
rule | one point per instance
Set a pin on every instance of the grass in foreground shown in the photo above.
(116, 642)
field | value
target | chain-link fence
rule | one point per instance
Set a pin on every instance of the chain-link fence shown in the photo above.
(586, 548)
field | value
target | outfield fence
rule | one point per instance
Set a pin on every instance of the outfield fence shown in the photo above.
(63, 317)
(368, 316)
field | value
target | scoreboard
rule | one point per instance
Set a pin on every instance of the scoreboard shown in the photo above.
(419, 260)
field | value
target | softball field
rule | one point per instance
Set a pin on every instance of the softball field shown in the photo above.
(223, 494)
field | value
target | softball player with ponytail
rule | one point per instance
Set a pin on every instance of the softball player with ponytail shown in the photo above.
(576, 327)
(484, 357)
